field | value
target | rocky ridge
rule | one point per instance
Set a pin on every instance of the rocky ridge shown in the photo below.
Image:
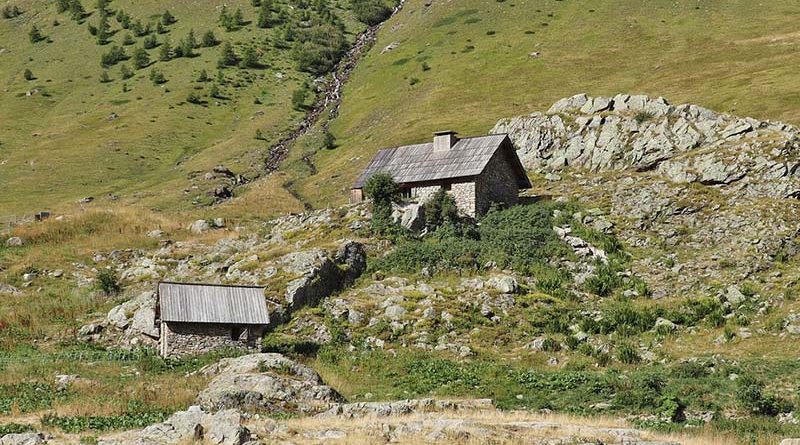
(710, 197)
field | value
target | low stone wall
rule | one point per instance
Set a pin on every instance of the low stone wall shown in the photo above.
(196, 338)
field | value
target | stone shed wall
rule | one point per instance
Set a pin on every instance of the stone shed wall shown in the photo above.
(497, 184)
(196, 338)
(462, 192)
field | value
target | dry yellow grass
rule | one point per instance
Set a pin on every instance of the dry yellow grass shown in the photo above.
(508, 428)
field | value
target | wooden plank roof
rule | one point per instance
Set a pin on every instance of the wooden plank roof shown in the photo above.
(420, 163)
(212, 303)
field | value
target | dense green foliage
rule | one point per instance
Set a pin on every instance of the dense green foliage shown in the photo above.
(138, 417)
(14, 428)
(383, 192)
(371, 12)
(521, 237)
(27, 397)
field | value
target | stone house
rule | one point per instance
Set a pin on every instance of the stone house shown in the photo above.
(197, 318)
(476, 171)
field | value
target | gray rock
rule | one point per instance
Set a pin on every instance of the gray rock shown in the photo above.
(14, 241)
(265, 382)
(199, 226)
(410, 216)
(193, 425)
(734, 296)
(8, 289)
(504, 283)
(395, 312)
(790, 442)
(664, 324)
(23, 439)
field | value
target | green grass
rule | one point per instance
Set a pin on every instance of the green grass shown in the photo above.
(645, 389)
(60, 144)
(711, 53)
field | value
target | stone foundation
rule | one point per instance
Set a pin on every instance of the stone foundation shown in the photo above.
(179, 339)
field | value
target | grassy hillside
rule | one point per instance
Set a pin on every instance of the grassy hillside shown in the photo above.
(65, 135)
(463, 65)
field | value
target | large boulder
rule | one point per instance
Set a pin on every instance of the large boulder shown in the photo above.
(268, 382)
(410, 216)
(191, 426)
(23, 439)
(320, 273)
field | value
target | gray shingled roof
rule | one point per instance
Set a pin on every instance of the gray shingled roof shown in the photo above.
(212, 303)
(419, 163)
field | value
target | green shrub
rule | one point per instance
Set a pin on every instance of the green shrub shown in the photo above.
(605, 280)
(28, 74)
(108, 282)
(628, 354)
(751, 395)
(126, 421)
(14, 428)
(319, 48)
(370, 12)
(441, 209)
(383, 192)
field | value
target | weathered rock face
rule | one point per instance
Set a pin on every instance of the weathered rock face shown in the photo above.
(321, 275)
(132, 323)
(684, 143)
(190, 426)
(712, 196)
(268, 382)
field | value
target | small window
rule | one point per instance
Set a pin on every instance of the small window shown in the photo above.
(236, 332)
(447, 187)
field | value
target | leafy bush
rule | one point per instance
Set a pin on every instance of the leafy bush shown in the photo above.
(108, 282)
(383, 192)
(751, 394)
(319, 48)
(27, 397)
(424, 376)
(441, 209)
(605, 280)
(627, 354)
(126, 421)
(370, 12)
(14, 428)
(519, 236)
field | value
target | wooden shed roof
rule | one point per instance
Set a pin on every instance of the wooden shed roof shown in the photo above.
(420, 163)
(212, 303)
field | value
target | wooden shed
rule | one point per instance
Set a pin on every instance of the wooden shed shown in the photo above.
(476, 171)
(197, 318)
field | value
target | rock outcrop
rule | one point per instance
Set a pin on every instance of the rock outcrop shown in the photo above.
(710, 195)
(265, 382)
(684, 143)
(191, 426)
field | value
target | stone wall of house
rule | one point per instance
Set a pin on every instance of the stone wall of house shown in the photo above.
(423, 194)
(464, 193)
(196, 338)
(497, 184)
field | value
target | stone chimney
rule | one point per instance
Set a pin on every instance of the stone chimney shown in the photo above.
(444, 140)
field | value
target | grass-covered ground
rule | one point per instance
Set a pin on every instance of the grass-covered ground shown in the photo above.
(75, 136)
(464, 65)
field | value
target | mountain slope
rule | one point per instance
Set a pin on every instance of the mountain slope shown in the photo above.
(482, 67)
(65, 135)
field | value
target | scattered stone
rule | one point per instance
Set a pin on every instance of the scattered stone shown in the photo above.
(504, 283)
(14, 241)
(199, 226)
